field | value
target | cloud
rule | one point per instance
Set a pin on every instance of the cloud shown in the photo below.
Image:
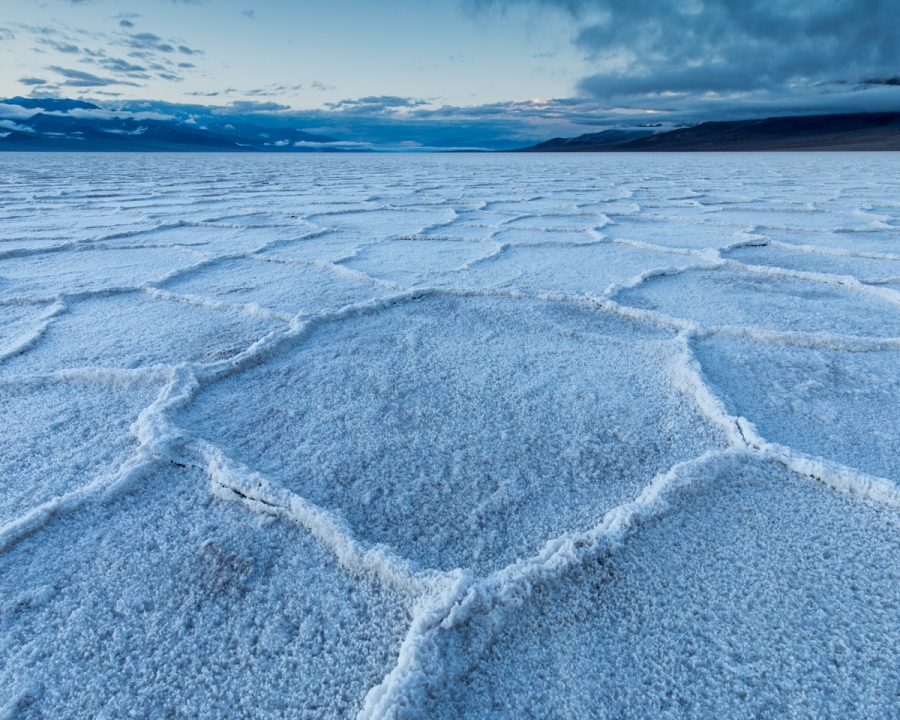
(147, 41)
(316, 85)
(62, 47)
(80, 79)
(16, 112)
(104, 114)
(278, 90)
(123, 67)
(883, 81)
(693, 47)
(272, 90)
(11, 125)
(376, 103)
(149, 56)
(249, 13)
(154, 53)
(247, 106)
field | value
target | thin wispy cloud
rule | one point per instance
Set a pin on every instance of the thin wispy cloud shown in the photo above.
(148, 56)
(80, 79)
(123, 67)
(147, 41)
(249, 106)
(376, 104)
(62, 47)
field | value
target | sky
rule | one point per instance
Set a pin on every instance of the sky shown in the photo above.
(459, 72)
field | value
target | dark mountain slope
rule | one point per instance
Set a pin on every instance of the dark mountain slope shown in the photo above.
(590, 141)
(863, 131)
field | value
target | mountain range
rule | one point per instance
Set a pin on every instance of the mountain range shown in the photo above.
(73, 125)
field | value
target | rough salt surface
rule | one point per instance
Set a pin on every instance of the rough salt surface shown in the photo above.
(756, 594)
(449, 436)
(462, 431)
(172, 604)
(734, 297)
(842, 406)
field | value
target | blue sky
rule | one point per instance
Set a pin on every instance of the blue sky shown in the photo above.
(460, 72)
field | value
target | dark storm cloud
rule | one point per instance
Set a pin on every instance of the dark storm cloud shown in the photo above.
(697, 46)
(883, 81)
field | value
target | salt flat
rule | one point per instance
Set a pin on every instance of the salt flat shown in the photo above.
(450, 436)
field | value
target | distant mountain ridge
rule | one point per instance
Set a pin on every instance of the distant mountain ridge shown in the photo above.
(75, 125)
(861, 131)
